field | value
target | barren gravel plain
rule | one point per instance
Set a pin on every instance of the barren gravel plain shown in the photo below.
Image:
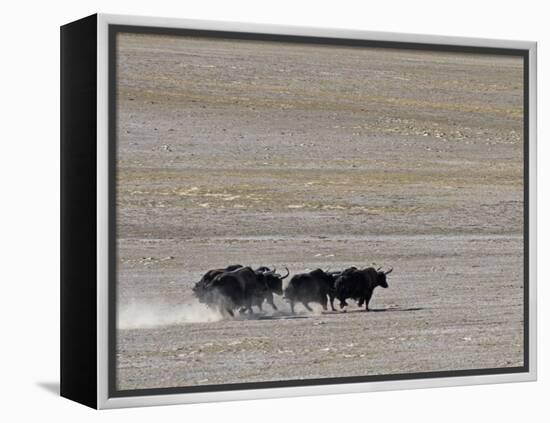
(306, 156)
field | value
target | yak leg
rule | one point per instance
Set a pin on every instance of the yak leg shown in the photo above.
(332, 302)
(307, 306)
(248, 306)
(270, 301)
(225, 310)
(292, 306)
(324, 302)
(367, 299)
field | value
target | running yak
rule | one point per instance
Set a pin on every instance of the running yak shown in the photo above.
(239, 288)
(314, 286)
(359, 284)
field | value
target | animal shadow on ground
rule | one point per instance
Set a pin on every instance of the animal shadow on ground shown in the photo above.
(287, 315)
(278, 315)
(381, 310)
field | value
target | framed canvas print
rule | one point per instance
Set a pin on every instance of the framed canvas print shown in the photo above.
(253, 211)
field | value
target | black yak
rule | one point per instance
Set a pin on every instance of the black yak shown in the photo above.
(359, 285)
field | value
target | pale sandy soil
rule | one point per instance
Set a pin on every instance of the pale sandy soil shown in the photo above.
(279, 154)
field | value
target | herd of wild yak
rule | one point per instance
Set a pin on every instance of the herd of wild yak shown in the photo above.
(240, 287)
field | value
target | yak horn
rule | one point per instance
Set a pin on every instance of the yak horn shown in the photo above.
(389, 271)
(270, 272)
(287, 273)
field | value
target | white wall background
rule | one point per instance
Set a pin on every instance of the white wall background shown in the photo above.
(29, 166)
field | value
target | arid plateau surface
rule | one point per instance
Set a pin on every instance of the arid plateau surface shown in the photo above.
(314, 156)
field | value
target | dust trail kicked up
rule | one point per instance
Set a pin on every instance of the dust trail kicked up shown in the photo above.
(137, 315)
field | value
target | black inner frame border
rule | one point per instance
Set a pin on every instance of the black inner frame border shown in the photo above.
(113, 30)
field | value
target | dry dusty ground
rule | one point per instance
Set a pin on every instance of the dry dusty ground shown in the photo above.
(314, 156)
